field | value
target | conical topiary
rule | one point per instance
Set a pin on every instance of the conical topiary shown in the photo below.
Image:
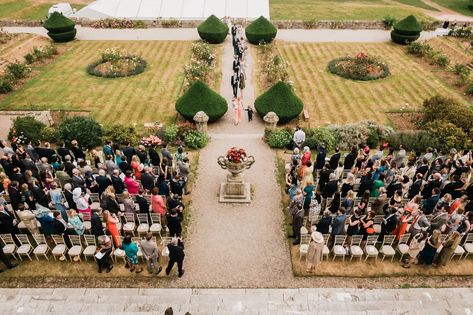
(199, 97)
(261, 30)
(406, 30)
(279, 99)
(60, 28)
(213, 30)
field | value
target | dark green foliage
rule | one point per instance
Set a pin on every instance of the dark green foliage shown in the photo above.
(63, 37)
(321, 136)
(373, 138)
(51, 135)
(121, 134)
(449, 110)
(408, 26)
(58, 23)
(213, 30)
(195, 139)
(17, 70)
(279, 99)
(418, 49)
(403, 39)
(199, 97)
(406, 30)
(417, 141)
(469, 90)
(447, 135)
(27, 127)
(86, 130)
(5, 85)
(260, 31)
(279, 138)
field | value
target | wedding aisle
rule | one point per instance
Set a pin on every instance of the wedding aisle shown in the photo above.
(236, 245)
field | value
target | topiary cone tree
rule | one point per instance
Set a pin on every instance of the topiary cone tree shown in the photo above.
(60, 28)
(261, 31)
(199, 97)
(280, 99)
(406, 30)
(213, 30)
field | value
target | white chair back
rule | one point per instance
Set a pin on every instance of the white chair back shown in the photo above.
(90, 240)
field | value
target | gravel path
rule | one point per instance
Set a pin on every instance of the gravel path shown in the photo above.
(236, 245)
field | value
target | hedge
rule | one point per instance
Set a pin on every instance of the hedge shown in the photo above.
(86, 130)
(406, 30)
(279, 99)
(213, 30)
(260, 30)
(199, 97)
(63, 37)
(449, 110)
(58, 23)
(403, 39)
(27, 127)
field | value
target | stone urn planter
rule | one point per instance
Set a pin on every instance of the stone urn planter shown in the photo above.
(234, 189)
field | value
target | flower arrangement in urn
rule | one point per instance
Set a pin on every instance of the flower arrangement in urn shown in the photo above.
(236, 155)
(151, 140)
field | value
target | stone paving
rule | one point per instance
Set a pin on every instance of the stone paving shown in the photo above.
(236, 301)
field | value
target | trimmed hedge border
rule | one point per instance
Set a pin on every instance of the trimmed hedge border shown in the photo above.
(333, 69)
(213, 30)
(139, 68)
(403, 39)
(64, 36)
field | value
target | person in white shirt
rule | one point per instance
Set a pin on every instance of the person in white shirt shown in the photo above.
(299, 137)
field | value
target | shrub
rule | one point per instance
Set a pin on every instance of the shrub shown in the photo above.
(86, 130)
(63, 37)
(447, 135)
(122, 67)
(447, 109)
(171, 132)
(279, 138)
(51, 135)
(373, 138)
(5, 85)
(27, 126)
(29, 58)
(389, 21)
(195, 139)
(417, 141)
(361, 67)
(203, 51)
(213, 30)
(58, 23)
(441, 60)
(260, 31)
(407, 30)
(418, 49)
(121, 134)
(469, 90)
(463, 73)
(279, 99)
(17, 70)
(199, 97)
(321, 136)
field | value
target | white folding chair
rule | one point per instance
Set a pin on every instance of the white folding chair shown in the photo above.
(9, 247)
(42, 247)
(129, 226)
(338, 249)
(60, 247)
(90, 246)
(377, 223)
(387, 249)
(76, 249)
(304, 245)
(156, 226)
(137, 241)
(119, 253)
(468, 245)
(402, 246)
(164, 242)
(86, 217)
(459, 250)
(94, 197)
(25, 248)
(143, 224)
(355, 247)
(326, 250)
(370, 247)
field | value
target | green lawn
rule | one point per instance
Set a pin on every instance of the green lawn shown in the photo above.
(460, 6)
(344, 9)
(147, 97)
(417, 3)
(31, 9)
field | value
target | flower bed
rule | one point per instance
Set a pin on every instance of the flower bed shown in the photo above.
(361, 67)
(115, 63)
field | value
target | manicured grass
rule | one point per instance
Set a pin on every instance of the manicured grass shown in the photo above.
(146, 97)
(460, 6)
(417, 3)
(331, 99)
(342, 10)
(32, 9)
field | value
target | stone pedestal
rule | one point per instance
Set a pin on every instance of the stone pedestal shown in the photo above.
(201, 120)
(235, 190)
(270, 120)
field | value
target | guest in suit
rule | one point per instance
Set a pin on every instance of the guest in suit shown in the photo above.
(8, 223)
(15, 195)
(176, 255)
(142, 202)
(234, 82)
(334, 159)
(102, 182)
(96, 224)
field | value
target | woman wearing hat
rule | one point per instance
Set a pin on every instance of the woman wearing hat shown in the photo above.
(315, 251)
(104, 251)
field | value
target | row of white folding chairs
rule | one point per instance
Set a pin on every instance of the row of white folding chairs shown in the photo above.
(119, 253)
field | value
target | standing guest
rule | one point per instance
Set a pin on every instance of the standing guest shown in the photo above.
(131, 184)
(241, 84)
(142, 155)
(308, 194)
(166, 154)
(389, 223)
(158, 205)
(78, 180)
(147, 178)
(297, 212)
(128, 203)
(366, 225)
(334, 159)
(15, 195)
(237, 106)
(151, 254)
(338, 224)
(236, 64)
(131, 252)
(6, 261)
(349, 161)
(430, 249)
(117, 182)
(29, 219)
(400, 155)
(129, 152)
(315, 252)
(430, 203)
(76, 222)
(142, 202)
(403, 223)
(299, 137)
(331, 187)
(96, 224)
(135, 165)
(177, 185)
(82, 202)
(112, 227)
(176, 255)
(234, 82)
(320, 159)
(415, 247)
(76, 151)
(28, 196)
(8, 223)
(448, 248)
(124, 166)
(105, 250)
(174, 223)
(184, 171)
(154, 158)
(419, 223)
(62, 176)
(162, 186)
(323, 226)
(55, 194)
(102, 181)
(348, 184)
(109, 201)
(69, 196)
(349, 202)
(107, 148)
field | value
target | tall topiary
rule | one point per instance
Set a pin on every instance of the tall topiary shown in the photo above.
(213, 30)
(86, 130)
(406, 30)
(60, 28)
(261, 30)
(279, 99)
(199, 97)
